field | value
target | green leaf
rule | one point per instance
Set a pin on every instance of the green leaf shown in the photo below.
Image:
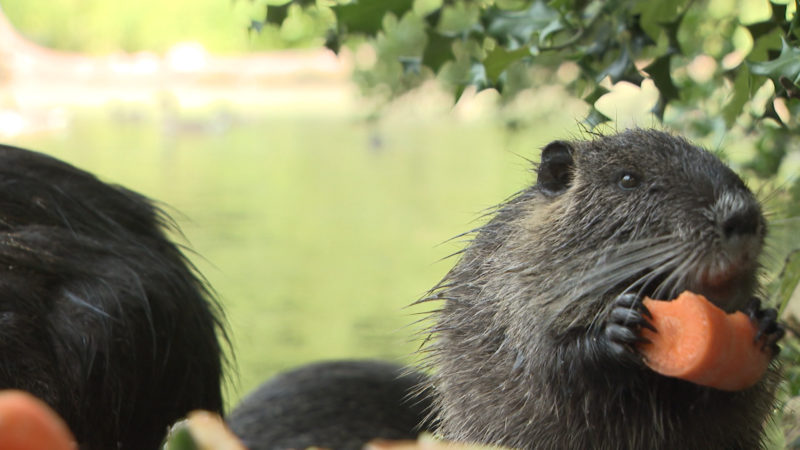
(477, 76)
(515, 29)
(438, 50)
(660, 72)
(366, 16)
(514, 5)
(460, 17)
(277, 14)
(760, 29)
(786, 65)
(621, 68)
(671, 28)
(256, 25)
(498, 59)
(598, 92)
(410, 65)
(595, 118)
(741, 93)
(788, 279)
(180, 438)
(653, 16)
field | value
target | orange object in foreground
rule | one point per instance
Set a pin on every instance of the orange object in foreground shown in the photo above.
(697, 341)
(27, 423)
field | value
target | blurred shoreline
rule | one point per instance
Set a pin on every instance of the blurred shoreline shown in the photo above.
(39, 86)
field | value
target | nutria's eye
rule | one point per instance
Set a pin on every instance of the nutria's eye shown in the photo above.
(628, 180)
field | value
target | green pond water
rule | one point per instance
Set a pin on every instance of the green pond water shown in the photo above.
(316, 233)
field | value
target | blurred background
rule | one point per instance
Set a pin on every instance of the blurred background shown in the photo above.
(317, 214)
(316, 219)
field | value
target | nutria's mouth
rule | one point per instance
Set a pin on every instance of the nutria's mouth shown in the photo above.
(729, 289)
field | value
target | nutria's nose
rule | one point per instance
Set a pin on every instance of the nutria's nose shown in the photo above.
(742, 222)
(738, 215)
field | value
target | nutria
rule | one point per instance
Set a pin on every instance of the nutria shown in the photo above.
(535, 343)
(102, 315)
(335, 404)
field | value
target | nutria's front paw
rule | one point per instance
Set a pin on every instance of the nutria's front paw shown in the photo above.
(626, 318)
(766, 322)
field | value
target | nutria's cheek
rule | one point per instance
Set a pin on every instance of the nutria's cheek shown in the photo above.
(541, 213)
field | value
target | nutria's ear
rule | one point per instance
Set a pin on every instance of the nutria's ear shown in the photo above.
(555, 168)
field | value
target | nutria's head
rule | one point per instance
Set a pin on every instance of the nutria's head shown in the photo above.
(651, 213)
(640, 211)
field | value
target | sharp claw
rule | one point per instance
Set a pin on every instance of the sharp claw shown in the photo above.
(753, 307)
(645, 312)
(648, 325)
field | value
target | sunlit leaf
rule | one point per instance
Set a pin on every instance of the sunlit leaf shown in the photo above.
(741, 93)
(180, 438)
(516, 28)
(655, 16)
(598, 92)
(276, 14)
(621, 68)
(459, 18)
(787, 65)
(661, 74)
(438, 50)
(498, 59)
(477, 76)
(595, 118)
(366, 16)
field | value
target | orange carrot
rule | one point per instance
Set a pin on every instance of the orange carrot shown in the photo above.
(696, 341)
(27, 423)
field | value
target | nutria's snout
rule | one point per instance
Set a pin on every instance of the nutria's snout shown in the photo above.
(726, 276)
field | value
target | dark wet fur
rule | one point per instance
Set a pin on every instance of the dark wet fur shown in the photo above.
(101, 315)
(525, 349)
(337, 405)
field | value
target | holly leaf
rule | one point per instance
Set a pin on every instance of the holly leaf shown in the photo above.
(671, 29)
(276, 14)
(438, 50)
(595, 118)
(598, 92)
(514, 29)
(654, 15)
(659, 71)
(366, 16)
(786, 65)
(761, 28)
(622, 68)
(741, 93)
(499, 59)
(255, 25)
(477, 76)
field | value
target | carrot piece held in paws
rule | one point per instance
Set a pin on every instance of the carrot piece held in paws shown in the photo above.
(27, 423)
(698, 342)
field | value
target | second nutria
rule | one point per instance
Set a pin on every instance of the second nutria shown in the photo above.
(333, 404)
(101, 315)
(534, 346)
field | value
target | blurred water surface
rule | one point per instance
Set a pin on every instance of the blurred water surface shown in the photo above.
(315, 232)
